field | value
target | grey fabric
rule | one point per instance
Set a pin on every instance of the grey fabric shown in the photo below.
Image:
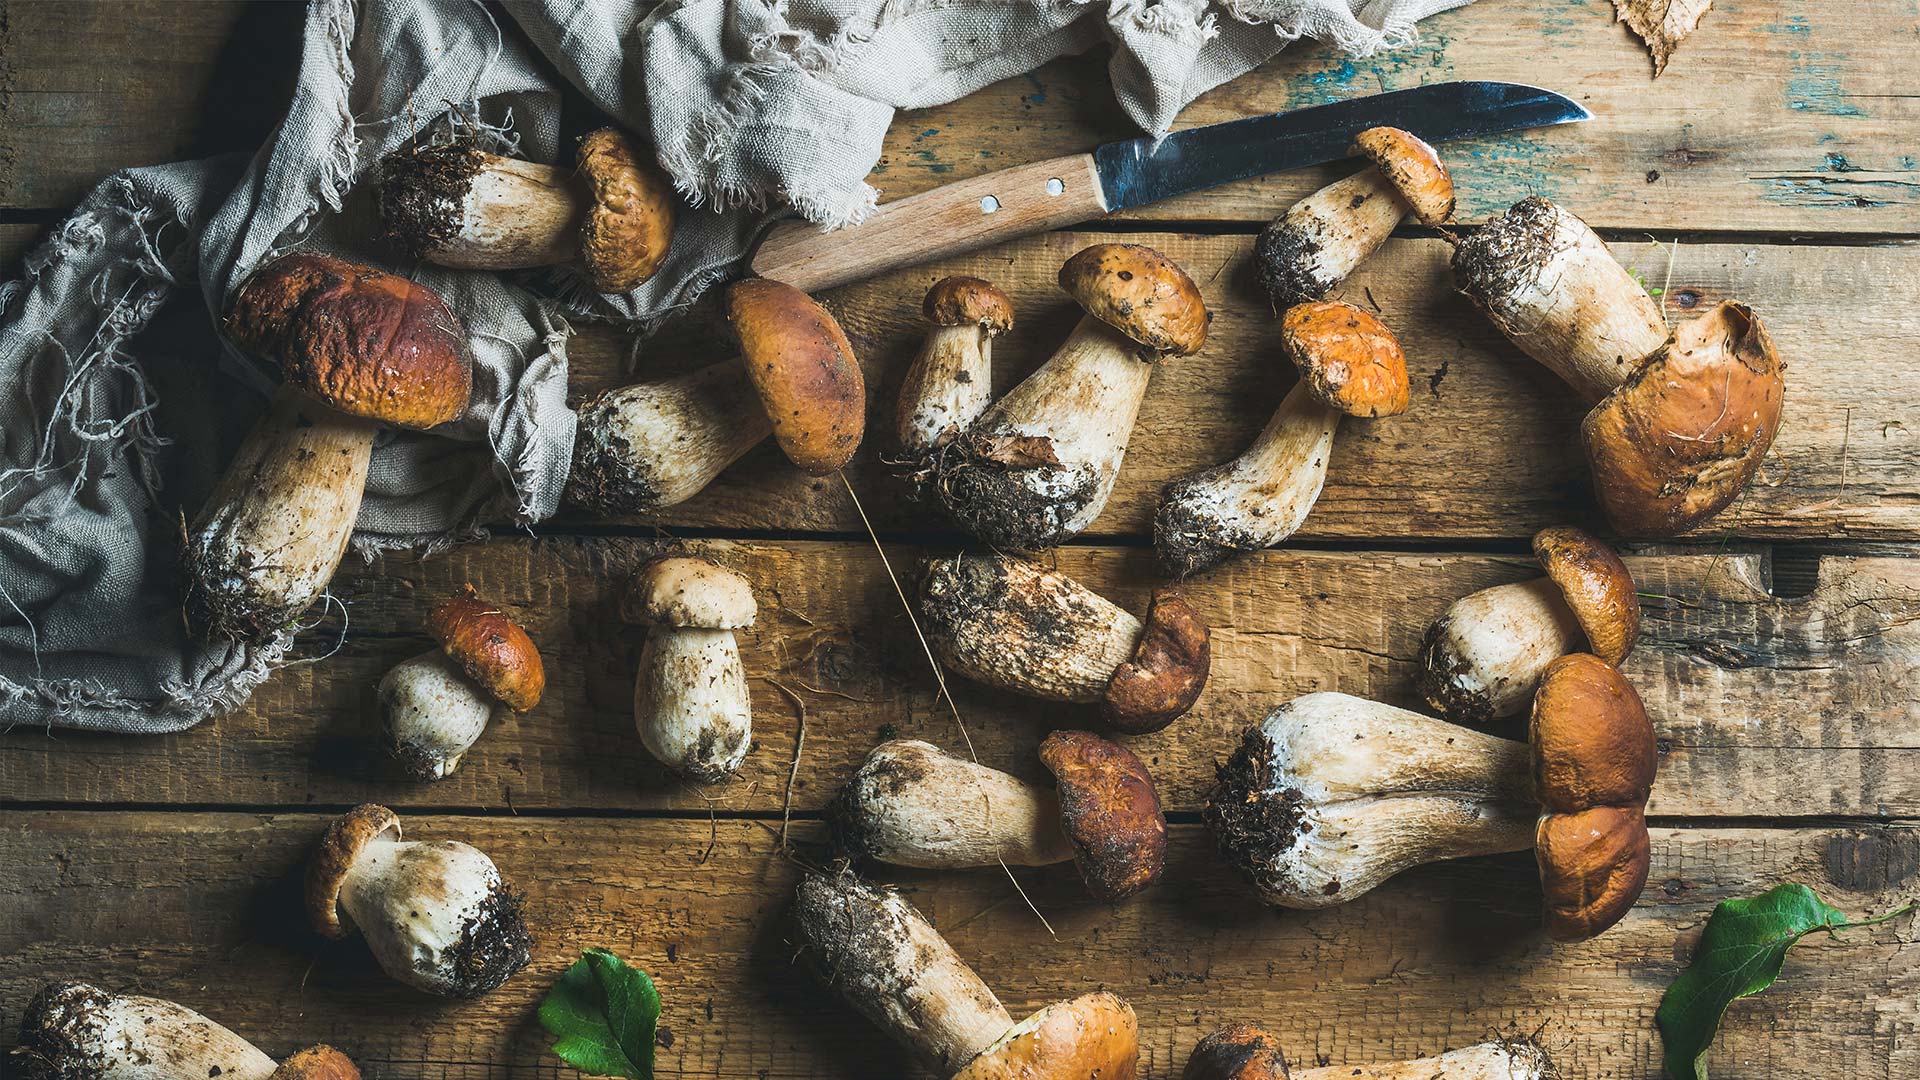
(751, 105)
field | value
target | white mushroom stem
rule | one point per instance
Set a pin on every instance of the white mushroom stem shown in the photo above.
(690, 703)
(433, 713)
(913, 804)
(979, 613)
(1331, 231)
(1518, 1060)
(422, 905)
(895, 969)
(652, 445)
(947, 388)
(77, 1031)
(1491, 647)
(515, 214)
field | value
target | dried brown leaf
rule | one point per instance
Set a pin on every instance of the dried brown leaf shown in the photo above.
(1662, 24)
(1018, 451)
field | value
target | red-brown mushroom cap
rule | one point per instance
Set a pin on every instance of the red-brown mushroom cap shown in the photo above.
(320, 1062)
(1167, 672)
(1236, 1052)
(1596, 585)
(363, 341)
(1593, 866)
(1094, 1035)
(804, 369)
(629, 223)
(1348, 359)
(490, 648)
(1110, 811)
(968, 301)
(1141, 293)
(1415, 169)
(338, 850)
(1681, 438)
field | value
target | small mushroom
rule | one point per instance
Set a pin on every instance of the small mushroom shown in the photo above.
(1330, 795)
(1350, 364)
(77, 1031)
(913, 804)
(1483, 658)
(1012, 625)
(1038, 466)
(356, 348)
(436, 914)
(885, 960)
(1250, 1052)
(457, 205)
(437, 704)
(951, 380)
(1680, 422)
(690, 699)
(1311, 248)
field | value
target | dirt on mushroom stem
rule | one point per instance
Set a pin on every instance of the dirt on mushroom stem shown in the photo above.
(985, 496)
(1253, 823)
(422, 190)
(493, 946)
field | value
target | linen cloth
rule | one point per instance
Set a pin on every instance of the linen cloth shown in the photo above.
(752, 107)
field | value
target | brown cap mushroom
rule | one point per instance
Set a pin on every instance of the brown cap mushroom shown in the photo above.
(489, 647)
(436, 705)
(691, 705)
(1093, 1035)
(1111, 813)
(1348, 359)
(803, 366)
(1236, 1052)
(968, 301)
(628, 224)
(1415, 168)
(1141, 293)
(1167, 672)
(319, 1062)
(950, 382)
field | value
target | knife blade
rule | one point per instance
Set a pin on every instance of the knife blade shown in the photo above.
(1059, 192)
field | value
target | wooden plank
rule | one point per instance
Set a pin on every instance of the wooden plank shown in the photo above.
(1764, 706)
(1440, 957)
(1490, 445)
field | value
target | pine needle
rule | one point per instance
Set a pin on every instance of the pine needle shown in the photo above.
(799, 743)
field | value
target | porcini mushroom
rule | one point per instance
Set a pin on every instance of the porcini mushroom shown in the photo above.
(1012, 625)
(1250, 1052)
(457, 205)
(1483, 658)
(436, 914)
(1350, 364)
(690, 699)
(77, 1031)
(895, 969)
(1679, 422)
(437, 704)
(803, 366)
(1330, 795)
(950, 382)
(1037, 467)
(1302, 254)
(913, 804)
(356, 348)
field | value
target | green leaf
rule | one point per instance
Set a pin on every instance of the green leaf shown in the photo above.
(602, 1014)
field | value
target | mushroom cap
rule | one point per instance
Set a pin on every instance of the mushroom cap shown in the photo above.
(1415, 169)
(490, 648)
(1167, 672)
(804, 369)
(1596, 586)
(1093, 1035)
(338, 850)
(968, 301)
(1348, 359)
(321, 1062)
(363, 341)
(629, 224)
(690, 590)
(1110, 811)
(1236, 1052)
(1680, 439)
(1141, 293)
(1593, 866)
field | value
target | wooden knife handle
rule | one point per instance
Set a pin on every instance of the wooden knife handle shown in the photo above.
(950, 220)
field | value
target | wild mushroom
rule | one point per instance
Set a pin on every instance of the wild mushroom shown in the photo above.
(649, 446)
(356, 347)
(1350, 364)
(1012, 625)
(951, 380)
(913, 804)
(1038, 466)
(437, 704)
(690, 699)
(1680, 422)
(1311, 248)
(1483, 658)
(77, 1031)
(1330, 795)
(895, 969)
(1249, 1052)
(457, 205)
(436, 914)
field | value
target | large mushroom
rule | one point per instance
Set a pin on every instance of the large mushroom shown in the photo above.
(690, 700)
(1350, 365)
(436, 914)
(1037, 467)
(1250, 1052)
(950, 382)
(1331, 795)
(648, 446)
(1681, 421)
(437, 704)
(913, 804)
(1483, 658)
(78, 1031)
(894, 968)
(457, 205)
(356, 348)
(1015, 626)
(1302, 254)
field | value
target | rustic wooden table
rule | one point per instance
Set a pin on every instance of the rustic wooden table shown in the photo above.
(1773, 162)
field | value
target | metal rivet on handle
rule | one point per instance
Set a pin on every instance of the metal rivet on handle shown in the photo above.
(988, 204)
(1056, 186)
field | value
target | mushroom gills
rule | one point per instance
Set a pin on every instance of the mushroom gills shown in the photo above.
(652, 445)
(436, 915)
(1483, 658)
(76, 1031)
(691, 704)
(434, 713)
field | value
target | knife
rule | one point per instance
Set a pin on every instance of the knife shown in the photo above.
(1053, 194)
